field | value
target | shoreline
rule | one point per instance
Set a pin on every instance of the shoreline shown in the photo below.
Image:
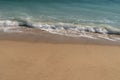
(39, 36)
(52, 57)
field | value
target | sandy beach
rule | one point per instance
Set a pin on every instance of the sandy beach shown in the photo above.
(59, 39)
(22, 60)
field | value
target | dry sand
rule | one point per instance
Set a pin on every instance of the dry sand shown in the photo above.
(49, 61)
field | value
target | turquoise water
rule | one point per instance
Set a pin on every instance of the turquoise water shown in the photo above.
(92, 13)
(75, 12)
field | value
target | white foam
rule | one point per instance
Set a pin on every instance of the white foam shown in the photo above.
(8, 23)
(62, 29)
(116, 38)
(9, 29)
(76, 30)
(106, 37)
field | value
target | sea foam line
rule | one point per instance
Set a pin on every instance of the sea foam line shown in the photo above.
(63, 29)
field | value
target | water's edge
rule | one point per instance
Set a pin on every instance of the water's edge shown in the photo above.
(87, 31)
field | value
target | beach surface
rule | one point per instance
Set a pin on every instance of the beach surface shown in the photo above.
(22, 60)
(59, 39)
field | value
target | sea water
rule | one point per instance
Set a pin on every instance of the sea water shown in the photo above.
(76, 18)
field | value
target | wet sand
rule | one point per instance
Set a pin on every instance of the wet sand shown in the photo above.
(21, 60)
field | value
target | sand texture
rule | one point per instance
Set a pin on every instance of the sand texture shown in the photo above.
(48, 61)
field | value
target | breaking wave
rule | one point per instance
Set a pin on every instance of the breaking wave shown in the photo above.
(67, 29)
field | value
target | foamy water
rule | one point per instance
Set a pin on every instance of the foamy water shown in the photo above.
(98, 19)
(93, 32)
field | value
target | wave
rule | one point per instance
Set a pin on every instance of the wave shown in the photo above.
(67, 29)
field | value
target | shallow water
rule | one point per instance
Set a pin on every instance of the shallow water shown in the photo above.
(69, 17)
